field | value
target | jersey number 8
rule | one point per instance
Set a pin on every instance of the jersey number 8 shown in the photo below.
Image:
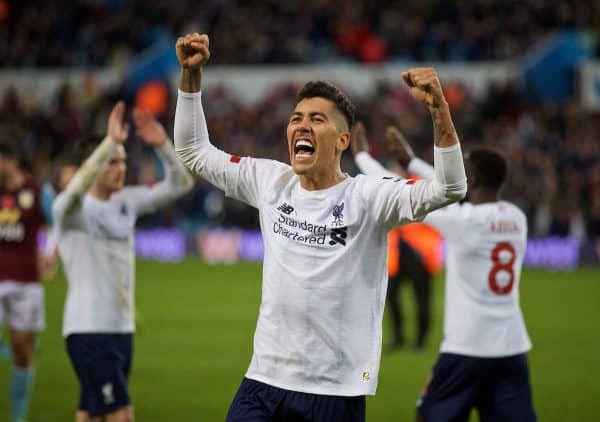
(502, 265)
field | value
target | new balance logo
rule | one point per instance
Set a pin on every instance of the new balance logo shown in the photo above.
(286, 209)
(339, 235)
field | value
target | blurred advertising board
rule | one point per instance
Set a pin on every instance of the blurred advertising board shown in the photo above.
(231, 245)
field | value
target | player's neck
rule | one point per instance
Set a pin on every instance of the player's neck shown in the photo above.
(480, 196)
(99, 193)
(321, 181)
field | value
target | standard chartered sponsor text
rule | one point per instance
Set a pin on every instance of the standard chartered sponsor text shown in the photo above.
(315, 235)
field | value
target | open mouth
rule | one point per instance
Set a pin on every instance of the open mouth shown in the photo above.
(303, 148)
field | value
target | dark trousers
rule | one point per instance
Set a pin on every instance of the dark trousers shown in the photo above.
(499, 388)
(259, 402)
(412, 269)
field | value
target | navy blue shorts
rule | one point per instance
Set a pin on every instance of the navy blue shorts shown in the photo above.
(259, 402)
(102, 363)
(498, 388)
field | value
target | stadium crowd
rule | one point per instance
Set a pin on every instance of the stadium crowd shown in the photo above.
(105, 32)
(554, 152)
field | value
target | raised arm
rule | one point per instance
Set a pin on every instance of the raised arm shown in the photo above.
(448, 162)
(237, 177)
(394, 200)
(70, 199)
(177, 179)
(447, 220)
(192, 143)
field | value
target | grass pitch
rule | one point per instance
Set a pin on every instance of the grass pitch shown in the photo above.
(195, 343)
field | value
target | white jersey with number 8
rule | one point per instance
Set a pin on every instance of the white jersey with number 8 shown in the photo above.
(485, 245)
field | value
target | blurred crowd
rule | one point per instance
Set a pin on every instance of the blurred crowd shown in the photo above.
(554, 153)
(105, 32)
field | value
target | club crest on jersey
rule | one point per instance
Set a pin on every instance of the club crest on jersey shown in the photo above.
(338, 217)
(25, 199)
(285, 208)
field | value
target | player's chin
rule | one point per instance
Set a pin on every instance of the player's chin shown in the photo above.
(302, 167)
(118, 185)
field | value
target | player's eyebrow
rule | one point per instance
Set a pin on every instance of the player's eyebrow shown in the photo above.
(311, 114)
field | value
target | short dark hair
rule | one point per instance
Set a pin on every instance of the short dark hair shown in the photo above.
(9, 152)
(489, 167)
(332, 93)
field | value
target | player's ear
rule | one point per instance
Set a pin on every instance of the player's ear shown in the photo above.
(343, 141)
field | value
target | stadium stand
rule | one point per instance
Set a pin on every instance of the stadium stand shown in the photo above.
(100, 33)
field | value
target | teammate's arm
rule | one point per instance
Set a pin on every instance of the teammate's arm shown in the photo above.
(445, 219)
(232, 174)
(177, 179)
(399, 147)
(360, 150)
(70, 200)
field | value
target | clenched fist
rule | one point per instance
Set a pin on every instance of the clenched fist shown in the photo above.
(425, 86)
(192, 50)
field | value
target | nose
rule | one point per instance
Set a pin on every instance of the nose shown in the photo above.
(303, 127)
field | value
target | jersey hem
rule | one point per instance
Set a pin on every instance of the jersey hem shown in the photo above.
(319, 391)
(67, 333)
(480, 354)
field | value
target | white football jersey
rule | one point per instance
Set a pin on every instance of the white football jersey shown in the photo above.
(96, 244)
(485, 247)
(324, 272)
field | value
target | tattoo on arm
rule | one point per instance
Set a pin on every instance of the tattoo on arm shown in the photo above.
(191, 80)
(443, 128)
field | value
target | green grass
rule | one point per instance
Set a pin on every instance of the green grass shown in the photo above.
(196, 342)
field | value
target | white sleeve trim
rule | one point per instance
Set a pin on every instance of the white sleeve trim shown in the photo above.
(450, 171)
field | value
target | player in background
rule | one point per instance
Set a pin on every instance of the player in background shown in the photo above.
(64, 174)
(95, 218)
(21, 294)
(483, 356)
(317, 344)
(412, 256)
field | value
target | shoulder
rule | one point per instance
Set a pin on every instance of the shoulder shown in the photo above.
(374, 182)
(464, 211)
(269, 171)
(267, 165)
(515, 210)
(31, 185)
(130, 193)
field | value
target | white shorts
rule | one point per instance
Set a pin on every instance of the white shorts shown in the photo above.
(22, 305)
